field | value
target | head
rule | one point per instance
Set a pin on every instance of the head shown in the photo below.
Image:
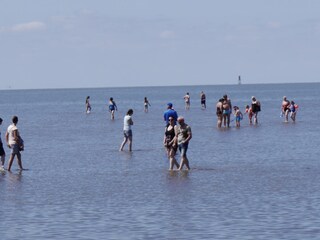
(171, 120)
(292, 102)
(15, 119)
(225, 97)
(180, 120)
(221, 100)
(253, 98)
(187, 93)
(247, 107)
(111, 99)
(1, 121)
(169, 105)
(88, 97)
(284, 98)
(130, 112)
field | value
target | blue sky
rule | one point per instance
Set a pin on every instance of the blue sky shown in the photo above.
(102, 43)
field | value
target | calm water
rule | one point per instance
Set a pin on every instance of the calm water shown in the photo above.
(256, 182)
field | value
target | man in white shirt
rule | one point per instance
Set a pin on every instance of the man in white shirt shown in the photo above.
(14, 142)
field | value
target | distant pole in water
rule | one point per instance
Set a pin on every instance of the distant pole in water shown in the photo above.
(239, 80)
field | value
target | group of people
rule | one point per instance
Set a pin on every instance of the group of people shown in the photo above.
(112, 106)
(14, 142)
(176, 137)
(177, 133)
(288, 108)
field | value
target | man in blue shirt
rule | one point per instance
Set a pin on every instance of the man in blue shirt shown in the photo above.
(170, 112)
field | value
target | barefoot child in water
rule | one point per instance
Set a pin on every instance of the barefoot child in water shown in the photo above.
(238, 114)
(250, 113)
(293, 110)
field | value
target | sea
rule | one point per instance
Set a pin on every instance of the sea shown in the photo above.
(254, 182)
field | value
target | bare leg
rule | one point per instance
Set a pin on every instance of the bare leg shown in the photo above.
(3, 157)
(130, 143)
(173, 160)
(10, 161)
(184, 161)
(256, 118)
(123, 143)
(19, 161)
(219, 123)
(286, 115)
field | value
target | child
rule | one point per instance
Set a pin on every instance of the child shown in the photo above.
(238, 115)
(146, 104)
(250, 113)
(112, 107)
(293, 110)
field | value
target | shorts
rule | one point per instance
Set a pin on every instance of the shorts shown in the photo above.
(2, 152)
(183, 147)
(127, 133)
(15, 149)
(226, 112)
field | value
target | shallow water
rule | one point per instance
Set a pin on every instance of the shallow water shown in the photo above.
(255, 182)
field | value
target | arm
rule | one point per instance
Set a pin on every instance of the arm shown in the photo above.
(7, 138)
(189, 135)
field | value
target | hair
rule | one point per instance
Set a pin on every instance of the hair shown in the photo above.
(130, 111)
(111, 99)
(15, 119)
(1, 120)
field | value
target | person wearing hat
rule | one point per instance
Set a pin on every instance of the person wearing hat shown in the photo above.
(170, 112)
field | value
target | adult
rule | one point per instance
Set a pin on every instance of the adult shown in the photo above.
(146, 104)
(112, 107)
(2, 152)
(285, 108)
(187, 101)
(256, 108)
(170, 112)
(226, 110)
(203, 100)
(127, 132)
(88, 106)
(183, 136)
(219, 110)
(14, 142)
(169, 142)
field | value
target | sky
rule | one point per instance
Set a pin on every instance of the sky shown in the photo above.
(124, 43)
